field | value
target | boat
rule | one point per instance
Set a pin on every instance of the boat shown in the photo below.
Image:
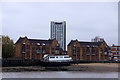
(57, 58)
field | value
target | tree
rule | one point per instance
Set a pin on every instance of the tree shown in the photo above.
(8, 47)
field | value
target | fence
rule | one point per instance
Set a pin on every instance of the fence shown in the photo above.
(35, 62)
(20, 62)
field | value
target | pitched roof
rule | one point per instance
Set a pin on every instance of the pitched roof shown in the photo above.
(90, 43)
(86, 43)
(71, 42)
(40, 42)
(36, 41)
(19, 40)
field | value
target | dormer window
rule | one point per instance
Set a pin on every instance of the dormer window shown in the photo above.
(38, 44)
(88, 46)
(43, 44)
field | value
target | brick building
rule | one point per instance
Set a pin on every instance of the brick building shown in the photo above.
(88, 50)
(115, 52)
(35, 48)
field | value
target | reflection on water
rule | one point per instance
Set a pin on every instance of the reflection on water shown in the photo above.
(62, 74)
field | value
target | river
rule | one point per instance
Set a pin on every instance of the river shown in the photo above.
(60, 74)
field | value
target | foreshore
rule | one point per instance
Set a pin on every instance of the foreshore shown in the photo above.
(86, 67)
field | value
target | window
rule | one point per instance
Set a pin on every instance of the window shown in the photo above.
(106, 51)
(61, 56)
(57, 50)
(44, 50)
(66, 57)
(52, 57)
(101, 50)
(74, 51)
(28, 48)
(93, 51)
(87, 51)
(38, 50)
(23, 48)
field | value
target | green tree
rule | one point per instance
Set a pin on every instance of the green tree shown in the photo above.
(8, 47)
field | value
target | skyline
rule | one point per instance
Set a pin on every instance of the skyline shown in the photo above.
(84, 20)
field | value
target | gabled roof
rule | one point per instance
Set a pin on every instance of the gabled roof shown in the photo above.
(90, 43)
(20, 40)
(40, 41)
(71, 42)
(86, 43)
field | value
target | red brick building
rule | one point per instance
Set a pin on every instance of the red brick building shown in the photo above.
(88, 50)
(115, 53)
(35, 48)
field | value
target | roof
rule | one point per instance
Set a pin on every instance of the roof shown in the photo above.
(20, 40)
(71, 42)
(36, 41)
(90, 43)
(86, 43)
(39, 41)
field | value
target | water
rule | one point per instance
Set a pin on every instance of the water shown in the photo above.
(62, 74)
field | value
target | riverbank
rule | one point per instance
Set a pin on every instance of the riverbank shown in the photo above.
(86, 67)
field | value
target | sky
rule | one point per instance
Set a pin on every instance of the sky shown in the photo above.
(84, 20)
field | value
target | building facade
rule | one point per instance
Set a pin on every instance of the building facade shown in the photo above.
(115, 53)
(35, 48)
(88, 50)
(58, 32)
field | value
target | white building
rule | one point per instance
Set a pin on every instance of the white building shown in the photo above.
(97, 39)
(58, 32)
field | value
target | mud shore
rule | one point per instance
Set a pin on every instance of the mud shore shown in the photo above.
(87, 67)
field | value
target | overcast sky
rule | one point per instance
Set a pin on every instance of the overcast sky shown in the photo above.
(84, 20)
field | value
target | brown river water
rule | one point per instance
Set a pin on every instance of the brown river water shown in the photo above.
(59, 74)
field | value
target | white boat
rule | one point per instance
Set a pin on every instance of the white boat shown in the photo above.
(57, 58)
